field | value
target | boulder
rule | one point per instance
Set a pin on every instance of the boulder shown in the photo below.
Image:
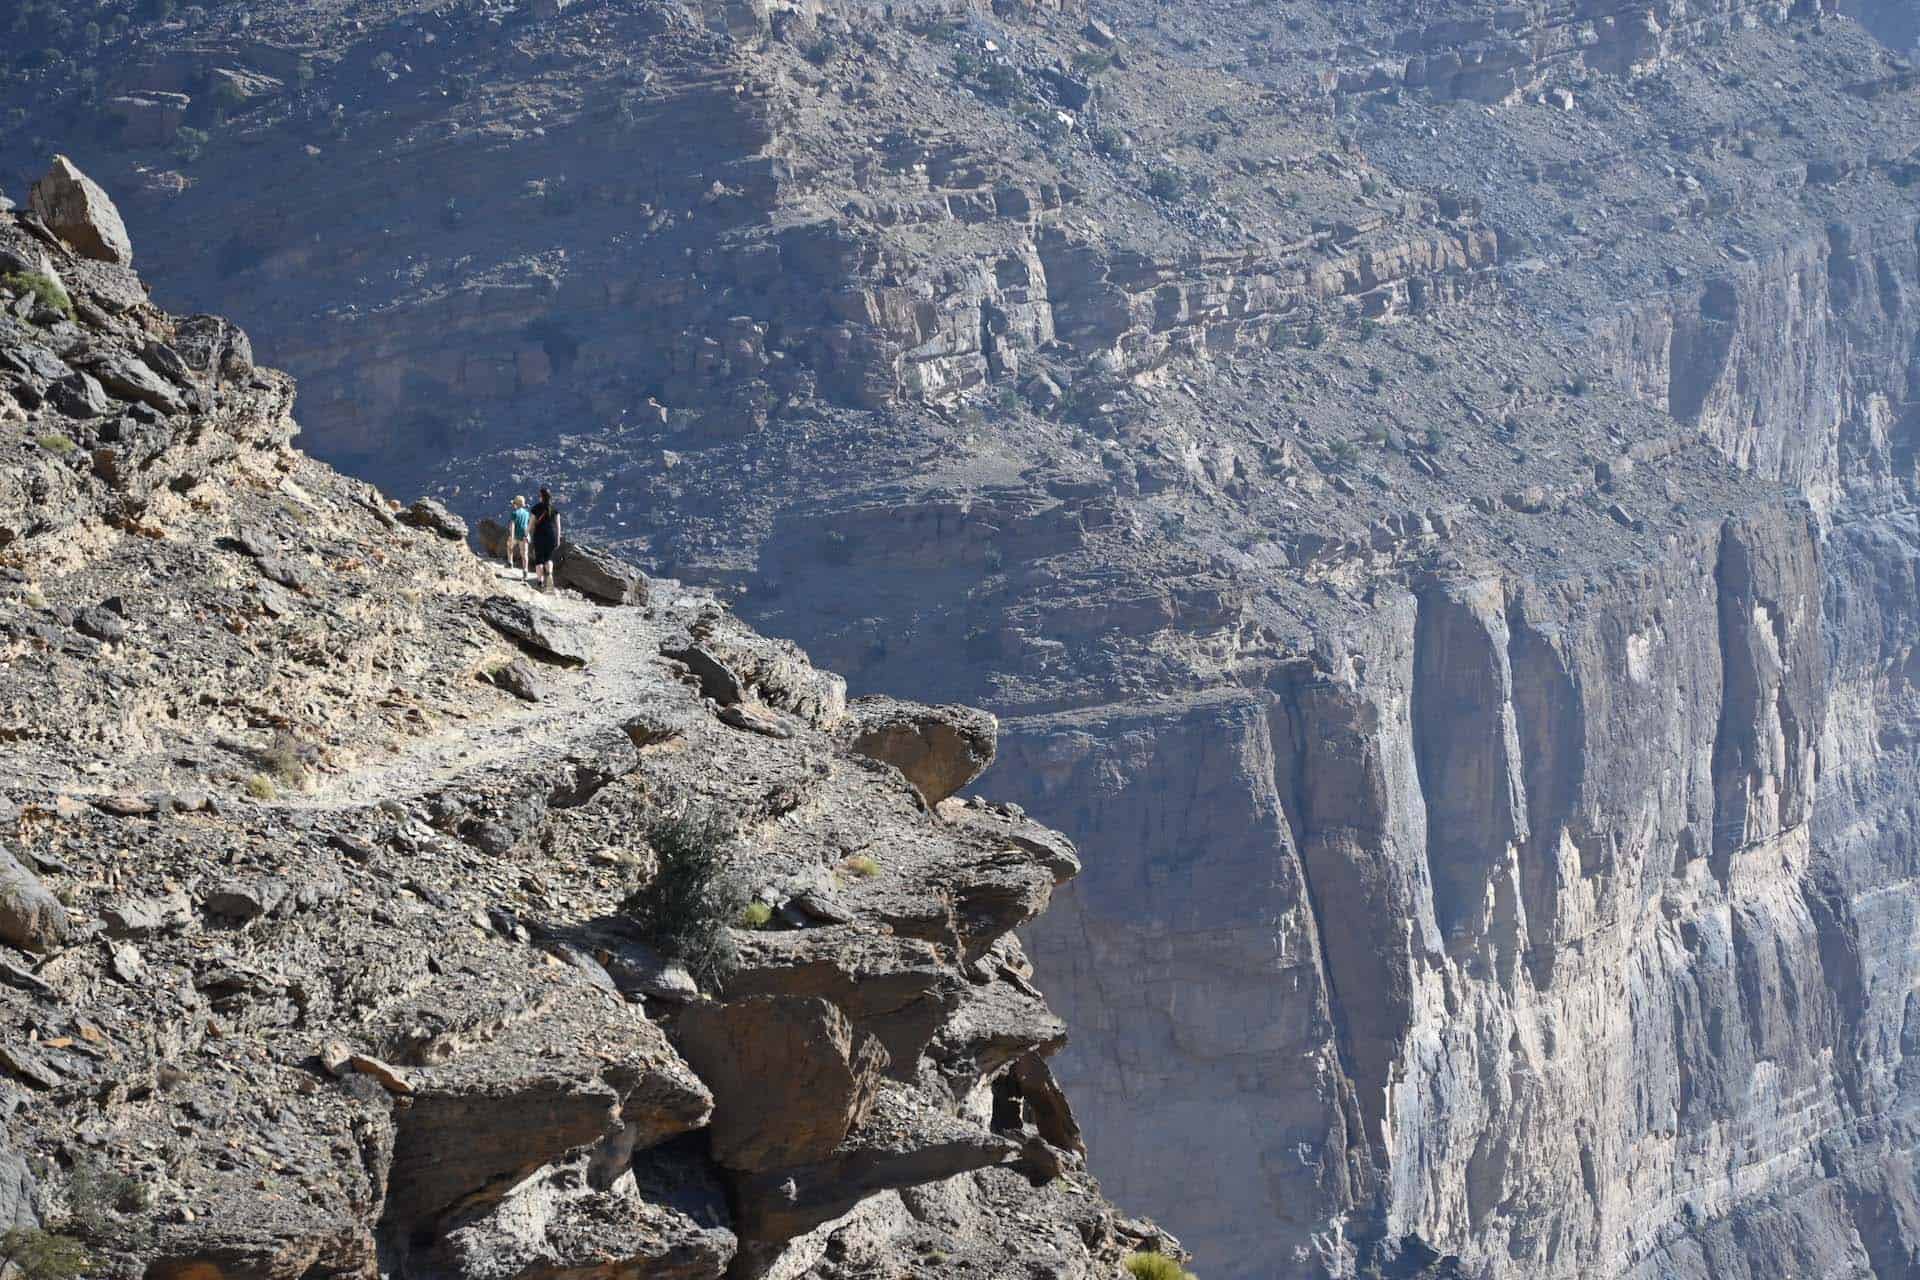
(246, 899)
(214, 348)
(431, 513)
(149, 119)
(789, 1075)
(521, 680)
(101, 624)
(146, 917)
(539, 631)
(289, 572)
(241, 85)
(130, 378)
(491, 535)
(717, 679)
(939, 749)
(77, 210)
(80, 395)
(598, 575)
(31, 918)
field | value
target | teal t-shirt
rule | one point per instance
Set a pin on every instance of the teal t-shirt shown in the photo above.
(522, 518)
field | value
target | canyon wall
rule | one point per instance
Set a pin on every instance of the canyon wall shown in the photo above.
(1429, 495)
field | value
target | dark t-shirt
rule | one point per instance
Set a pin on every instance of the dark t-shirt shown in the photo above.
(546, 525)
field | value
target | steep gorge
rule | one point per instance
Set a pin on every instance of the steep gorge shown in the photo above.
(1505, 838)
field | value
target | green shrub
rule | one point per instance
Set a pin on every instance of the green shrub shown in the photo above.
(41, 1255)
(284, 760)
(1155, 1266)
(755, 915)
(261, 787)
(684, 910)
(188, 144)
(861, 866)
(1167, 184)
(54, 442)
(50, 292)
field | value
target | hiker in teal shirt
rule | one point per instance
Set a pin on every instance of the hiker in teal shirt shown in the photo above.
(519, 536)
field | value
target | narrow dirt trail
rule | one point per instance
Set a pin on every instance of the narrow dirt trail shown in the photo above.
(616, 680)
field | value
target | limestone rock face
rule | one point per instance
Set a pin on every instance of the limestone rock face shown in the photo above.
(790, 1077)
(939, 749)
(79, 211)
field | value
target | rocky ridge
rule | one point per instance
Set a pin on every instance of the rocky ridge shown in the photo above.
(313, 847)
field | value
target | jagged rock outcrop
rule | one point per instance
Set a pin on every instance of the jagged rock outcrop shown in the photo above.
(315, 952)
(939, 749)
(73, 207)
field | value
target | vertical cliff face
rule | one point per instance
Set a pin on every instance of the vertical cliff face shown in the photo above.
(1606, 885)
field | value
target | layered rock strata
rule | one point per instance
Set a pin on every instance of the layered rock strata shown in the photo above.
(1426, 491)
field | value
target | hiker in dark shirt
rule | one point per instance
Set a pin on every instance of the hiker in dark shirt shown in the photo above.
(546, 537)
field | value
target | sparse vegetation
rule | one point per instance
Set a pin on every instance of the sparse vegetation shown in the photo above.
(285, 761)
(45, 288)
(836, 548)
(1155, 1266)
(1090, 62)
(41, 1255)
(1316, 336)
(188, 144)
(755, 915)
(95, 1191)
(695, 893)
(261, 787)
(993, 560)
(55, 443)
(1168, 184)
(861, 867)
(1343, 452)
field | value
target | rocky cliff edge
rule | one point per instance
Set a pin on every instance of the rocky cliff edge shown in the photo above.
(314, 842)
